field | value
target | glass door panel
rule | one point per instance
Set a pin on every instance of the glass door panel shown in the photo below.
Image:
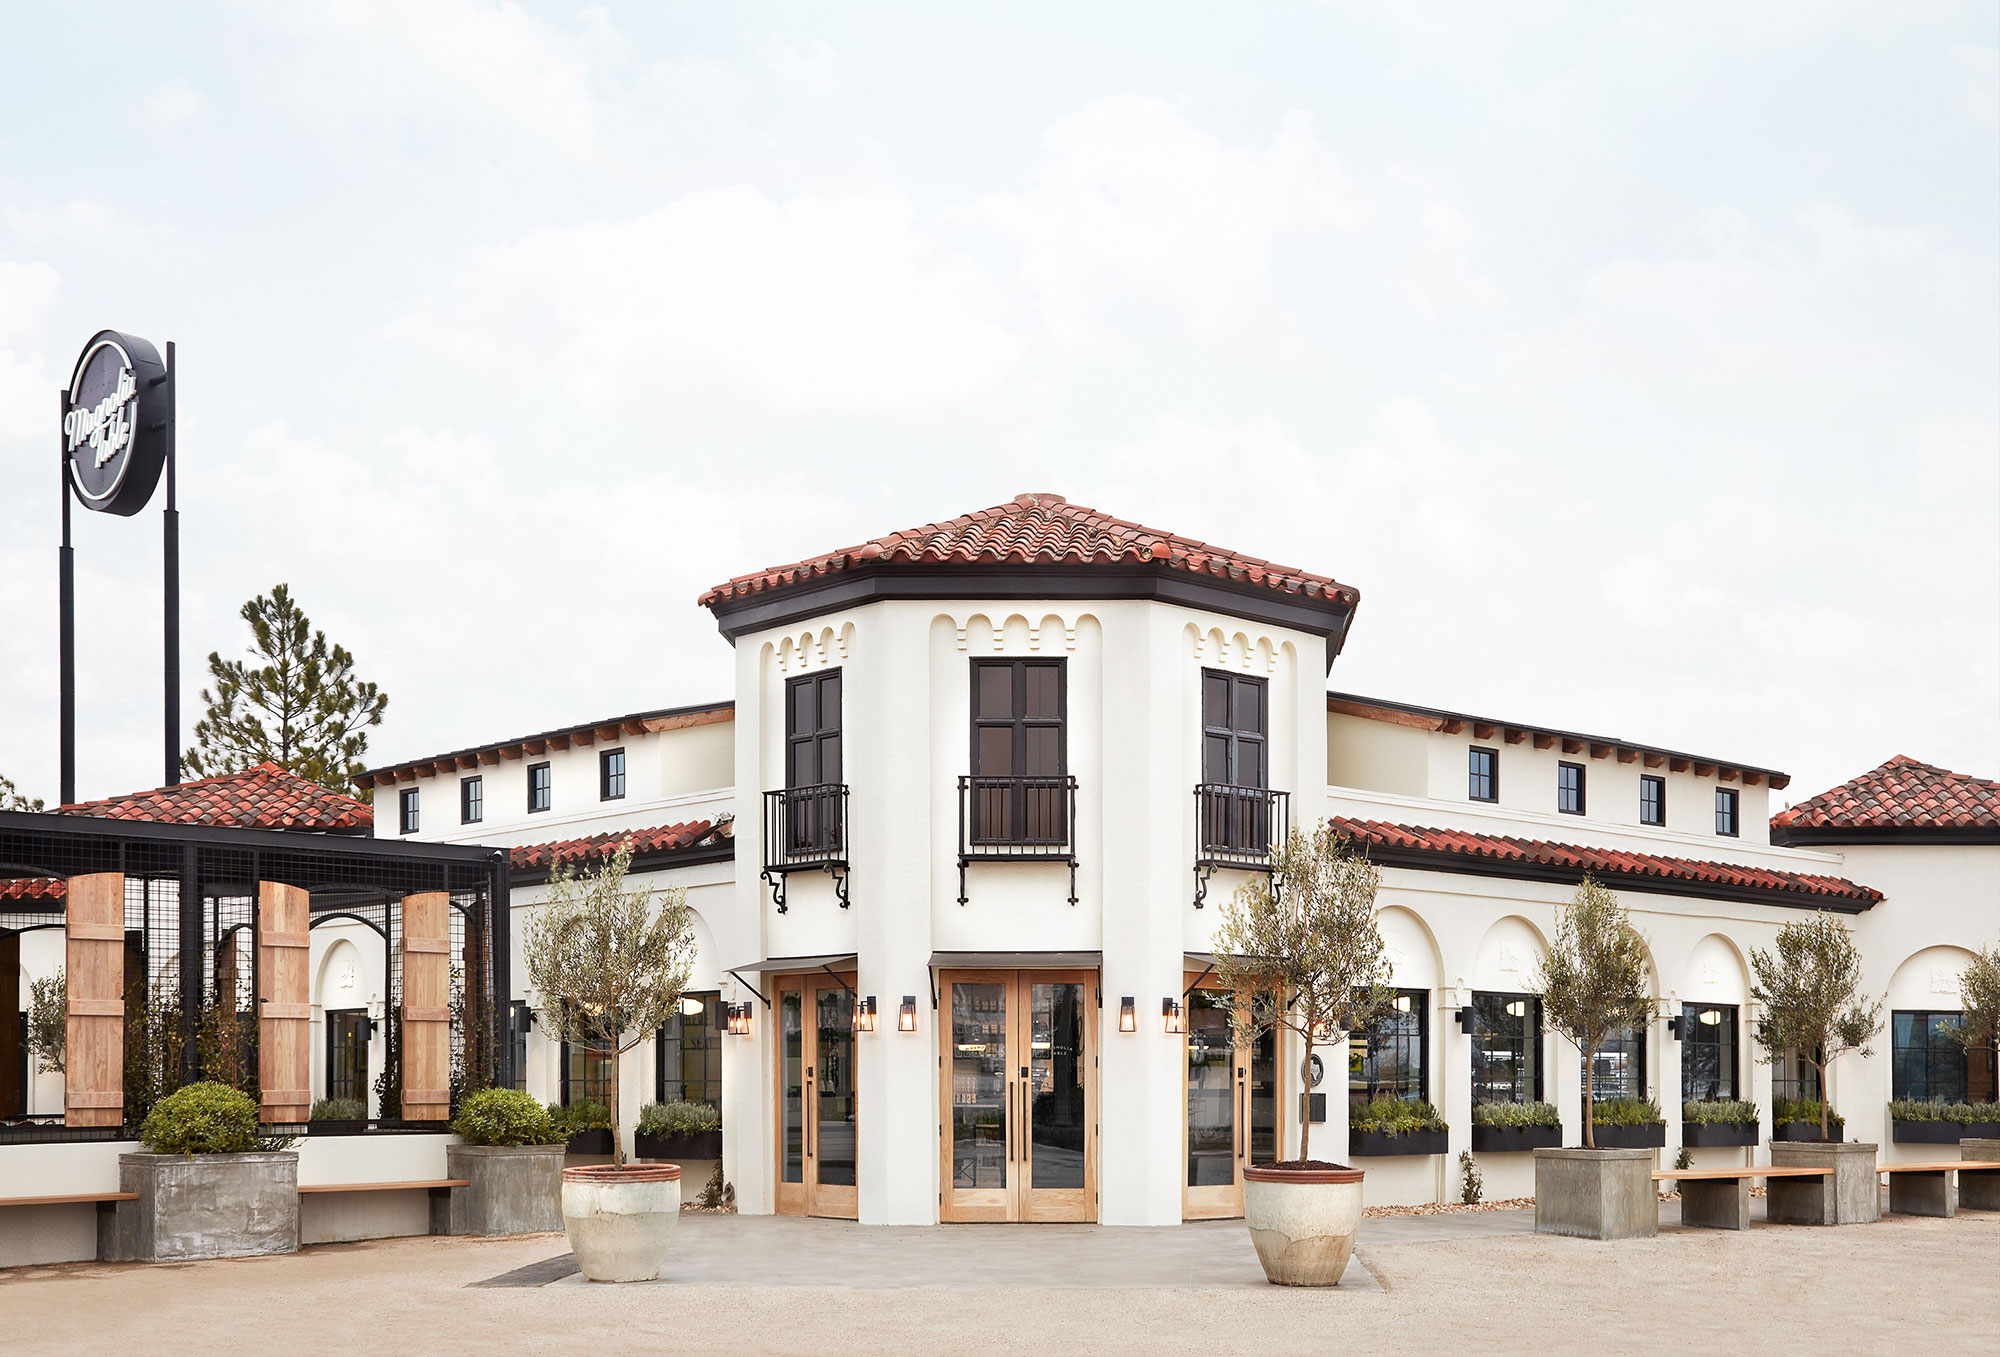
(1059, 1183)
(792, 1057)
(980, 1157)
(817, 1107)
(1264, 1100)
(833, 1131)
(1232, 1106)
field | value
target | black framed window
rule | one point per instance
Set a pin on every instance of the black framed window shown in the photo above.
(1020, 754)
(1725, 811)
(812, 730)
(1506, 1048)
(1652, 799)
(1793, 1077)
(541, 787)
(409, 810)
(1927, 1062)
(347, 1053)
(687, 1053)
(1235, 730)
(586, 1074)
(1708, 1052)
(1618, 1070)
(471, 800)
(1569, 788)
(611, 775)
(1388, 1059)
(1482, 774)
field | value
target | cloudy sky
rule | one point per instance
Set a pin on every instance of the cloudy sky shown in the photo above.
(1639, 364)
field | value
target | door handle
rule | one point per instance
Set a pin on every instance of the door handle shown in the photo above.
(1007, 1122)
(811, 1113)
(1242, 1135)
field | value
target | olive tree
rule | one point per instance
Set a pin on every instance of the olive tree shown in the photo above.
(1593, 981)
(612, 962)
(1302, 945)
(1979, 999)
(1809, 992)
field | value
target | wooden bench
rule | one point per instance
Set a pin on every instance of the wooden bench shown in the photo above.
(439, 1189)
(1719, 1199)
(105, 1200)
(1925, 1189)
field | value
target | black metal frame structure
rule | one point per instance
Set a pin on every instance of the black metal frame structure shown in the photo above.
(1018, 845)
(1235, 827)
(805, 830)
(200, 881)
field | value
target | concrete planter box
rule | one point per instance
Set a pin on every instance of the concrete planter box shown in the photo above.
(704, 1145)
(1717, 1135)
(1372, 1144)
(1980, 1191)
(1302, 1221)
(1515, 1139)
(597, 1140)
(1646, 1136)
(1806, 1130)
(515, 1189)
(1596, 1194)
(1850, 1194)
(206, 1206)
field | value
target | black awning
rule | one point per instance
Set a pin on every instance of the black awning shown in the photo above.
(1017, 961)
(778, 964)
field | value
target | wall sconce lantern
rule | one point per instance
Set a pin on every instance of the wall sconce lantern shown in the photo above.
(864, 1014)
(1128, 1015)
(739, 1019)
(1402, 1003)
(1710, 1017)
(1674, 1027)
(1518, 1009)
(906, 1016)
(1172, 1016)
(1466, 1020)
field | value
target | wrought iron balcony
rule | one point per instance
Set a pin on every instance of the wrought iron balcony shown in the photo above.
(1016, 819)
(805, 830)
(1235, 827)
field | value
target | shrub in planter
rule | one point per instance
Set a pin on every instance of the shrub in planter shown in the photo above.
(512, 1159)
(1396, 1126)
(1936, 1122)
(1628, 1123)
(585, 1126)
(1512, 1127)
(212, 1184)
(339, 1109)
(503, 1116)
(1712, 1122)
(679, 1130)
(1799, 1119)
(206, 1118)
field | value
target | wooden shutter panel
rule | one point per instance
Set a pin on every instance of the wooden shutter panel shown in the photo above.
(284, 1007)
(427, 1006)
(94, 963)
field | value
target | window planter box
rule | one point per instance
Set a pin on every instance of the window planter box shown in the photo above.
(1646, 1136)
(1929, 1132)
(702, 1145)
(1717, 1134)
(1516, 1139)
(1983, 1130)
(597, 1140)
(1806, 1130)
(1368, 1144)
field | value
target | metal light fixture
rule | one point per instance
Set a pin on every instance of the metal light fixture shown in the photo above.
(739, 1019)
(864, 1014)
(691, 1006)
(1518, 1009)
(1172, 1017)
(906, 1016)
(1128, 1014)
(1674, 1027)
(1402, 1003)
(1710, 1017)
(1466, 1018)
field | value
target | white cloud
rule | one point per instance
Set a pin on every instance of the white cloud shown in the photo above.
(813, 304)
(1979, 96)
(169, 112)
(1133, 202)
(1442, 256)
(28, 294)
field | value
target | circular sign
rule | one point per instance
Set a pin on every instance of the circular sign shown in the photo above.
(114, 423)
(1314, 1071)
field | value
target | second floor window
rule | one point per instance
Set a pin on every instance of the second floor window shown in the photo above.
(541, 787)
(812, 730)
(1020, 755)
(409, 806)
(1725, 811)
(1483, 774)
(471, 800)
(1233, 730)
(1652, 799)
(1569, 788)
(611, 775)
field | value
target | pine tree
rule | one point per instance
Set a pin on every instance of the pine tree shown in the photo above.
(296, 703)
(11, 798)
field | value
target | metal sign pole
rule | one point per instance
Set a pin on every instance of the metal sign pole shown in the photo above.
(66, 624)
(170, 533)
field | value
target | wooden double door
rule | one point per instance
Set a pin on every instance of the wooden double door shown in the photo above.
(817, 1109)
(1019, 1096)
(1232, 1106)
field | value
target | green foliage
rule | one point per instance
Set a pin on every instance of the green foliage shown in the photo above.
(1395, 1117)
(719, 1192)
(1685, 1159)
(1303, 943)
(296, 703)
(1516, 1114)
(1979, 1000)
(48, 1021)
(1810, 991)
(678, 1119)
(612, 963)
(206, 1118)
(1471, 1183)
(1803, 1109)
(504, 1116)
(389, 1083)
(1719, 1112)
(1626, 1112)
(1937, 1109)
(338, 1109)
(154, 1051)
(11, 798)
(1593, 980)
(565, 1122)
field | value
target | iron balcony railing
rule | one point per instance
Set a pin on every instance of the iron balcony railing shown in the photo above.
(1236, 827)
(805, 830)
(1016, 819)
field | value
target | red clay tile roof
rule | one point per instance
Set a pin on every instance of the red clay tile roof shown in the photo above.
(1903, 794)
(1605, 863)
(1040, 529)
(574, 852)
(265, 797)
(34, 888)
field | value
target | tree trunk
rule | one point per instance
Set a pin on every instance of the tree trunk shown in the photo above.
(617, 1130)
(1825, 1102)
(1589, 1102)
(1305, 1108)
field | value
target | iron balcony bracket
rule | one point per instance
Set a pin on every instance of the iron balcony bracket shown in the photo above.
(840, 873)
(776, 881)
(964, 898)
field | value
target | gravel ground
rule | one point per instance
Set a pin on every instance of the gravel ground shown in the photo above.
(1872, 1288)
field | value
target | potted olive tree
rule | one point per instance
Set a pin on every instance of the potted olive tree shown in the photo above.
(1810, 1001)
(613, 964)
(1304, 945)
(1979, 1030)
(210, 1183)
(1593, 983)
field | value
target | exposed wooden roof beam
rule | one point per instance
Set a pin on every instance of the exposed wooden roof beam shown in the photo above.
(1483, 732)
(1679, 765)
(1752, 779)
(489, 757)
(1572, 746)
(1704, 770)
(634, 728)
(1453, 726)
(1729, 774)
(1366, 712)
(1655, 760)
(557, 743)
(535, 746)
(1544, 741)
(1599, 751)
(1514, 735)
(1626, 753)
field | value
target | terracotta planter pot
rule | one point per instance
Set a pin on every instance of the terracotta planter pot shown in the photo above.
(1303, 1221)
(621, 1220)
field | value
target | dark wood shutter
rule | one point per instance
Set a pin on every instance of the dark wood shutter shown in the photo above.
(1020, 751)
